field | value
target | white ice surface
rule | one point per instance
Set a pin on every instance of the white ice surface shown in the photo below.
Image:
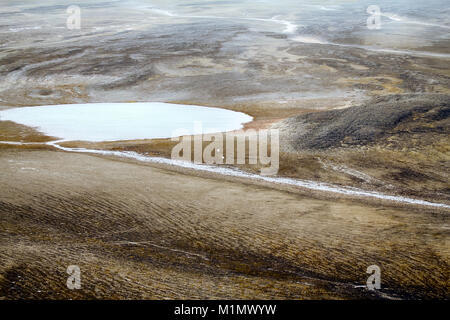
(124, 121)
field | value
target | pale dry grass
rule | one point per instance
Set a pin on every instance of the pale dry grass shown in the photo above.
(11, 131)
(141, 232)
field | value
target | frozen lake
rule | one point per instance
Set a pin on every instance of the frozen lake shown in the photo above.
(124, 121)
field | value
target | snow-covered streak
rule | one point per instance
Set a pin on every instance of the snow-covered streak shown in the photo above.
(312, 185)
(397, 18)
(289, 26)
(309, 39)
(315, 40)
(241, 174)
(163, 12)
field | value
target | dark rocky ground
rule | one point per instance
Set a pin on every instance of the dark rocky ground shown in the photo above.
(370, 123)
(392, 143)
